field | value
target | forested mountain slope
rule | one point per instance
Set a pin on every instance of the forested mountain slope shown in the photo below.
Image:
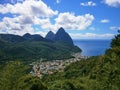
(94, 73)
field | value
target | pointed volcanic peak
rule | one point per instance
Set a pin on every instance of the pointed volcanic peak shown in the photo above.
(50, 35)
(63, 36)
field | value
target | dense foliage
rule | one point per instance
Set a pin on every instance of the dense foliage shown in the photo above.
(94, 73)
(14, 76)
(33, 47)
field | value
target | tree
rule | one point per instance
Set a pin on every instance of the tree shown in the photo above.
(116, 41)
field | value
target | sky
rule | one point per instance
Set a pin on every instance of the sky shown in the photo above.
(82, 19)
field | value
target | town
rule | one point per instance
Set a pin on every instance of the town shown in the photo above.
(49, 67)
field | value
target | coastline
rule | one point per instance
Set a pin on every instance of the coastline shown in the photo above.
(93, 47)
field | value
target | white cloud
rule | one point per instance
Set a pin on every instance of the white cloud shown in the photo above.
(105, 21)
(42, 33)
(92, 36)
(112, 3)
(9, 25)
(15, 26)
(66, 20)
(114, 28)
(36, 12)
(2, 26)
(29, 7)
(23, 24)
(72, 22)
(89, 3)
(58, 1)
(26, 14)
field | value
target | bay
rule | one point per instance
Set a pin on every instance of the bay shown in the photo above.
(93, 47)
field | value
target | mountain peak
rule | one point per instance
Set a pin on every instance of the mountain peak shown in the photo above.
(61, 29)
(26, 34)
(50, 32)
(50, 35)
(35, 37)
(63, 36)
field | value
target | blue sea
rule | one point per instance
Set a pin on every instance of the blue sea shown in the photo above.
(93, 47)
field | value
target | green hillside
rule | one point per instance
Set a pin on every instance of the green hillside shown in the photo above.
(34, 47)
(94, 73)
(33, 50)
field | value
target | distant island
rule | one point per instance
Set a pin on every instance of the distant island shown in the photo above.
(34, 47)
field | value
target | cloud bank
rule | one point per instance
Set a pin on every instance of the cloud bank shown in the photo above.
(28, 14)
(35, 17)
(112, 3)
(28, 7)
(92, 36)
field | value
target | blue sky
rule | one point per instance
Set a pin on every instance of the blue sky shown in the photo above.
(82, 19)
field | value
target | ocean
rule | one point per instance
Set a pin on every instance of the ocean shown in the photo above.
(93, 47)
